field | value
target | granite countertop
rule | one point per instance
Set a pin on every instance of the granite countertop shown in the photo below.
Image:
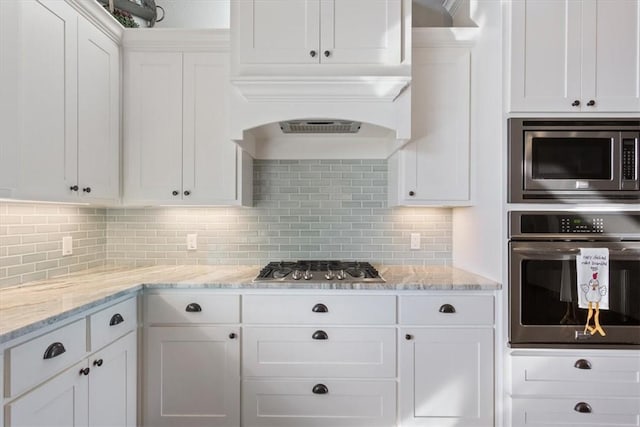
(30, 306)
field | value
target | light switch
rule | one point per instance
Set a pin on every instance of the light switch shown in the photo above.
(67, 245)
(192, 242)
(415, 241)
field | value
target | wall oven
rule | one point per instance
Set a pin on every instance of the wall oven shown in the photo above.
(542, 276)
(568, 160)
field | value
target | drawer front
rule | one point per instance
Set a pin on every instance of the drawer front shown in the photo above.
(191, 307)
(576, 376)
(319, 403)
(320, 309)
(319, 352)
(112, 323)
(564, 412)
(447, 310)
(35, 361)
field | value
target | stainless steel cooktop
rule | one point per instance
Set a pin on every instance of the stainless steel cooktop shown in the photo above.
(319, 271)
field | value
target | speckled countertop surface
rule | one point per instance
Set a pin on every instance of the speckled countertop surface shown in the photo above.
(30, 306)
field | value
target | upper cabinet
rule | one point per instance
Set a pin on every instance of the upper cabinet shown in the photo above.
(575, 56)
(320, 31)
(60, 79)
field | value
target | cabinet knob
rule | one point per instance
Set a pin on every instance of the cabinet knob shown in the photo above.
(86, 190)
(193, 307)
(85, 371)
(116, 319)
(233, 335)
(187, 192)
(591, 103)
(447, 309)
(575, 103)
(327, 53)
(320, 308)
(54, 350)
(412, 193)
(74, 188)
(320, 335)
(582, 364)
(175, 192)
(312, 53)
(320, 389)
(97, 362)
(582, 407)
(408, 337)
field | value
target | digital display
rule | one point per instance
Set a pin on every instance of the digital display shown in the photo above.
(577, 221)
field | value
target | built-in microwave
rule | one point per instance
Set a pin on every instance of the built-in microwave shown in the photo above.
(569, 160)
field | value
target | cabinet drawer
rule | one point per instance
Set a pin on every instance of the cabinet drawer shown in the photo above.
(320, 309)
(446, 310)
(112, 323)
(561, 375)
(564, 412)
(319, 352)
(319, 403)
(192, 308)
(34, 361)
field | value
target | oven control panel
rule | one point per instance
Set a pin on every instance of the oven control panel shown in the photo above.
(578, 224)
(557, 224)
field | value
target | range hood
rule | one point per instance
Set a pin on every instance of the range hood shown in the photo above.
(298, 128)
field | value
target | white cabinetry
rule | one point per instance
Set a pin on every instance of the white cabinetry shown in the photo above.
(177, 149)
(320, 31)
(60, 103)
(575, 55)
(192, 368)
(569, 388)
(446, 361)
(433, 168)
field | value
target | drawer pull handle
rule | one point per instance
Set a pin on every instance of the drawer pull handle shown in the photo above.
(98, 362)
(447, 309)
(320, 389)
(582, 364)
(54, 350)
(116, 319)
(320, 335)
(582, 407)
(320, 308)
(85, 371)
(194, 307)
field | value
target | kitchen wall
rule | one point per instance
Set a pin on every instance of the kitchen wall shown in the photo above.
(31, 240)
(303, 209)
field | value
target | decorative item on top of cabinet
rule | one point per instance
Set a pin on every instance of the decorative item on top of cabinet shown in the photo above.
(575, 56)
(61, 143)
(433, 168)
(177, 149)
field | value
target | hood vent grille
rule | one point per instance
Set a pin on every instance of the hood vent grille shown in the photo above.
(319, 126)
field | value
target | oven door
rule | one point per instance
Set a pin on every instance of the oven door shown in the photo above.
(571, 161)
(544, 297)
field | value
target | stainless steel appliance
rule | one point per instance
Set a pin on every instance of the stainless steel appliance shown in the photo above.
(319, 271)
(543, 300)
(569, 160)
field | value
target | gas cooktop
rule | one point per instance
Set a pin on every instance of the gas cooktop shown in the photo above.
(319, 271)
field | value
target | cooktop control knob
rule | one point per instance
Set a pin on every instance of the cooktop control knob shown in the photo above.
(307, 275)
(330, 275)
(297, 275)
(341, 275)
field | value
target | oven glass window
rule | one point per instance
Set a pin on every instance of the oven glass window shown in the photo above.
(550, 296)
(571, 158)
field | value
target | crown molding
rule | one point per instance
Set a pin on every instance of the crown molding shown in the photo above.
(100, 17)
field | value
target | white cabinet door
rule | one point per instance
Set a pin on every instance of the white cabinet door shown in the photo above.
(545, 55)
(39, 142)
(279, 31)
(209, 155)
(192, 377)
(153, 127)
(611, 55)
(98, 115)
(112, 384)
(434, 167)
(61, 402)
(446, 377)
(361, 31)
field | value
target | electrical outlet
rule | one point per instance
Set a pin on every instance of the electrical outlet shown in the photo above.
(415, 241)
(67, 245)
(192, 242)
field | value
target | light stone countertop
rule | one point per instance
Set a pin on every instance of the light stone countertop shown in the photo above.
(30, 306)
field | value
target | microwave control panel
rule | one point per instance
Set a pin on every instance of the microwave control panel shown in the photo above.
(628, 159)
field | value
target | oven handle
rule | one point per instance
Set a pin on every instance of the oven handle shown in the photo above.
(546, 251)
